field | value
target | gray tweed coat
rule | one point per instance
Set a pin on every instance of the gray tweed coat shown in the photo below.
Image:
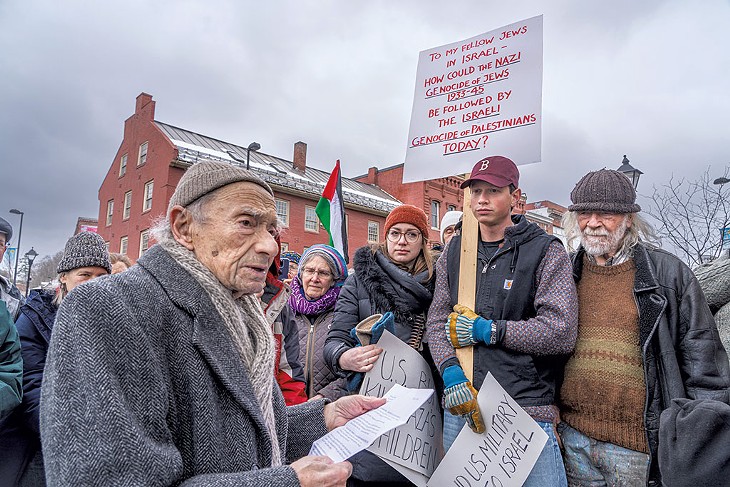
(143, 386)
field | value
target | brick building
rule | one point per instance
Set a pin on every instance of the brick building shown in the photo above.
(153, 156)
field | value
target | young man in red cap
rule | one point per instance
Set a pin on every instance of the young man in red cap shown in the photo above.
(525, 321)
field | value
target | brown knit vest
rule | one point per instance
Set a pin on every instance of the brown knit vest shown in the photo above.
(604, 391)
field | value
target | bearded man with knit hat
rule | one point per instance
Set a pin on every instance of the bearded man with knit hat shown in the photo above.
(645, 336)
(163, 374)
(525, 320)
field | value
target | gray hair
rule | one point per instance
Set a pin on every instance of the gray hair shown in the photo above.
(639, 231)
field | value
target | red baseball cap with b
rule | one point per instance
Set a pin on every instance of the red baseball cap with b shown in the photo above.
(496, 170)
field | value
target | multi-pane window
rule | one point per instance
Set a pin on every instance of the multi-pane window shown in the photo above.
(284, 247)
(435, 210)
(123, 244)
(144, 241)
(373, 232)
(123, 165)
(109, 212)
(127, 205)
(147, 203)
(311, 222)
(282, 211)
(452, 208)
(142, 158)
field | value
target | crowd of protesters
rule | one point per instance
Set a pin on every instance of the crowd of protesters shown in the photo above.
(216, 359)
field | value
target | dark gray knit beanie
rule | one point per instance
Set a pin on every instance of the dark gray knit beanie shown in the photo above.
(85, 249)
(207, 176)
(606, 190)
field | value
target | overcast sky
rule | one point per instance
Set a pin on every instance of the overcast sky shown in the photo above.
(649, 79)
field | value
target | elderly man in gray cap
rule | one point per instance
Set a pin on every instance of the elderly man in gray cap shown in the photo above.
(645, 337)
(8, 292)
(163, 375)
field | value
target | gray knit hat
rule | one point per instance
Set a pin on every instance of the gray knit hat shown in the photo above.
(6, 229)
(207, 176)
(606, 190)
(85, 249)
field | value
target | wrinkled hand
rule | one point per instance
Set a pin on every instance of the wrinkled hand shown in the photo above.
(346, 408)
(460, 398)
(360, 359)
(466, 328)
(321, 472)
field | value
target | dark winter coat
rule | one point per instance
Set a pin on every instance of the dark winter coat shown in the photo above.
(144, 386)
(681, 349)
(20, 437)
(312, 335)
(377, 286)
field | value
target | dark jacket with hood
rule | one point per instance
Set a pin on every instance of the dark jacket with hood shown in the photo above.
(20, 437)
(680, 346)
(377, 286)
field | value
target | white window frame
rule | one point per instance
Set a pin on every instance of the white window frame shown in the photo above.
(285, 205)
(142, 155)
(376, 227)
(124, 245)
(144, 241)
(284, 247)
(149, 187)
(123, 165)
(435, 214)
(127, 205)
(308, 222)
(109, 212)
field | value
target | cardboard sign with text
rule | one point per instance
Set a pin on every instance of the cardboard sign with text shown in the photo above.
(476, 98)
(418, 444)
(503, 455)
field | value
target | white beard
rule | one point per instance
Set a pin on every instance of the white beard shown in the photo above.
(603, 242)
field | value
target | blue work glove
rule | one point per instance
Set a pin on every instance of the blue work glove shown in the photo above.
(368, 332)
(466, 328)
(460, 398)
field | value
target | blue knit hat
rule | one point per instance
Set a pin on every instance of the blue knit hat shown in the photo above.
(333, 258)
(291, 257)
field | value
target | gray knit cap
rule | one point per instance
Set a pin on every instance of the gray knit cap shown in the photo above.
(85, 249)
(6, 229)
(606, 190)
(206, 176)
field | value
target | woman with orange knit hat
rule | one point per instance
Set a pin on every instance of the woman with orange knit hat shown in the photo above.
(395, 276)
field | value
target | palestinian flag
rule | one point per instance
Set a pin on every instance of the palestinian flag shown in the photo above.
(331, 212)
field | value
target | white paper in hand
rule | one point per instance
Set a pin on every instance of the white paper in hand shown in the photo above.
(359, 433)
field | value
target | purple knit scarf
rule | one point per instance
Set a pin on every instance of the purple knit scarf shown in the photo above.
(300, 304)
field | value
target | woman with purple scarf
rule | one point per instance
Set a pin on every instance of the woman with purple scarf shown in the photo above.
(315, 289)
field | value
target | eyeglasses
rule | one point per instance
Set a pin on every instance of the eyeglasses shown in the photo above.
(308, 272)
(411, 236)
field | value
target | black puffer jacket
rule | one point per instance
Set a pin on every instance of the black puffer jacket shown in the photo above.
(681, 349)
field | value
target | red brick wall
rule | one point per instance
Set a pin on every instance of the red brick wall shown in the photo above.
(138, 128)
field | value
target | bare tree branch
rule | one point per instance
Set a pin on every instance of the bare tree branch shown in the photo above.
(692, 214)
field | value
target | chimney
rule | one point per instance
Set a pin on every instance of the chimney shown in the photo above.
(372, 176)
(145, 106)
(300, 156)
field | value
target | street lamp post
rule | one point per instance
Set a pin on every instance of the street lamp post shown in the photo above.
(17, 251)
(30, 255)
(253, 146)
(630, 172)
(720, 182)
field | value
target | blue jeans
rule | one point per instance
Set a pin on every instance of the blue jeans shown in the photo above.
(593, 463)
(548, 471)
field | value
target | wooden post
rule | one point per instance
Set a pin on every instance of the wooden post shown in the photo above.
(468, 276)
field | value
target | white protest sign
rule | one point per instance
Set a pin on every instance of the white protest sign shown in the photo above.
(343, 442)
(477, 98)
(418, 444)
(503, 455)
